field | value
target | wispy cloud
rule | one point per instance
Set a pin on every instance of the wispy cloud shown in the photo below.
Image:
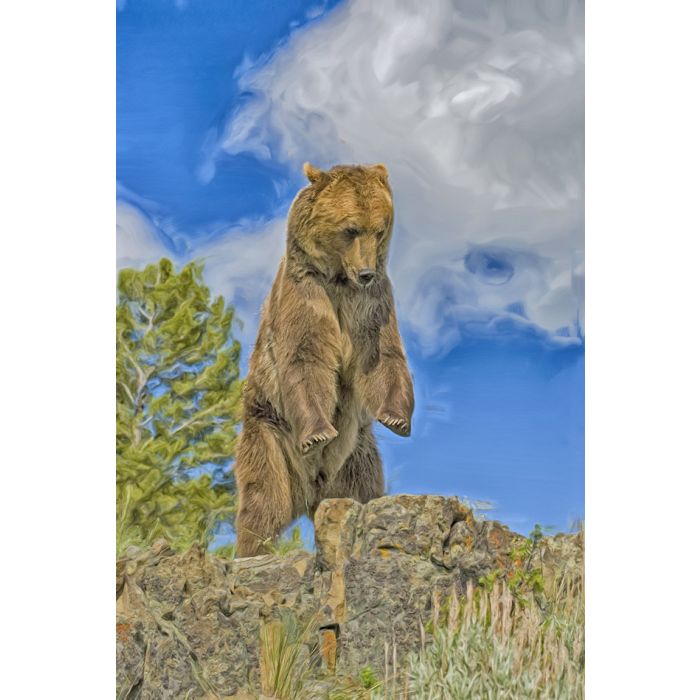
(240, 262)
(138, 239)
(477, 109)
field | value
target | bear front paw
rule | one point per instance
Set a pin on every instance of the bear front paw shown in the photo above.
(396, 424)
(318, 438)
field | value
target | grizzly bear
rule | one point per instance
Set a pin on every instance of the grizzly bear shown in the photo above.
(327, 362)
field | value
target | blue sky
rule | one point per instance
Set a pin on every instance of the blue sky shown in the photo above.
(478, 115)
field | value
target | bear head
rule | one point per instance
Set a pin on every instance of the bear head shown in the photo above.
(342, 221)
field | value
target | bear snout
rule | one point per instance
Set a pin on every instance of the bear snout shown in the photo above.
(365, 276)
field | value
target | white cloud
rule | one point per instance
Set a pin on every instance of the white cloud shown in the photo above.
(477, 110)
(239, 263)
(138, 241)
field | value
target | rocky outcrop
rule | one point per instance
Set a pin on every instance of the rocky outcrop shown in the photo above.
(190, 624)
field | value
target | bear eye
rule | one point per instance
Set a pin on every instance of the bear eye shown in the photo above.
(352, 233)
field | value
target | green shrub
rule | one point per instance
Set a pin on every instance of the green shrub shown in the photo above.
(368, 677)
(178, 397)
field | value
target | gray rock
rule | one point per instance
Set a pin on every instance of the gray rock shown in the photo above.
(190, 624)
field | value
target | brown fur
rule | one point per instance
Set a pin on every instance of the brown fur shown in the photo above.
(328, 360)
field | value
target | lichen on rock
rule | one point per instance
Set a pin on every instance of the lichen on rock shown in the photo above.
(190, 624)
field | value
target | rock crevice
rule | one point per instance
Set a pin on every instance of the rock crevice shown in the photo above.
(189, 624)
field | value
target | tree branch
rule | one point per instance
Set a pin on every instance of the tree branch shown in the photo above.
(128, 393)
(194, 419)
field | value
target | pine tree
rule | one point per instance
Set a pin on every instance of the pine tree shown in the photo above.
(178, 402)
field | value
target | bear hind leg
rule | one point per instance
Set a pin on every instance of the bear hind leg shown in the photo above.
(362, 476)
(264, 490)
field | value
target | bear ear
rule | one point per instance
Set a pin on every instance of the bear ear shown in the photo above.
(314, 174)
(381, 170)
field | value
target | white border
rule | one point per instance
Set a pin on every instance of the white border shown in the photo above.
(642, 353)
(58, 161)
(58, 325)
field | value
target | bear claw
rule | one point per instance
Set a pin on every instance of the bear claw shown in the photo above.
(400, 426)
(317, 440)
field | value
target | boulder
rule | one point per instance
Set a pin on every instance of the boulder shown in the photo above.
(190, 624)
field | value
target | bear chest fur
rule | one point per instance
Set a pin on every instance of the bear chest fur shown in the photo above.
(359, 341)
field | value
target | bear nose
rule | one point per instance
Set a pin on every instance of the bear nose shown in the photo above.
(365, 276)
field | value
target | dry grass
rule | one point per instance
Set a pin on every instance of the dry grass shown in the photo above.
(286, 660)
(492, 644)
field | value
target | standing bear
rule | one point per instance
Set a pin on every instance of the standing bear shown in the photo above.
(327, 362)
